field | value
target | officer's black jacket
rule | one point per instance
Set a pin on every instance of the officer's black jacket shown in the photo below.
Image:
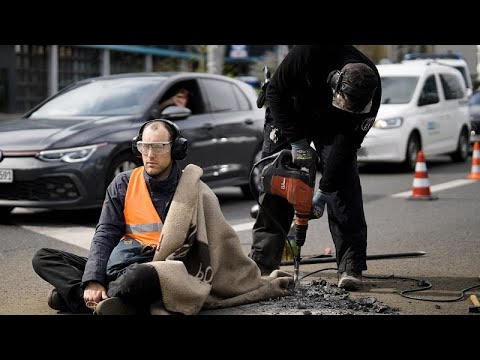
(301, 104)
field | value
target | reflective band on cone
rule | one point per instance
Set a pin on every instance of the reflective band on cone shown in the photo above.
(475, 172)
(421, 183)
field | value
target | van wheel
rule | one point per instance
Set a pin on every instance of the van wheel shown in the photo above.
(461, 154)
(413, 147)
(247, 192)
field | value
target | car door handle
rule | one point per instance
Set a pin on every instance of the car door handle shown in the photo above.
(249, 121)
(207, 126)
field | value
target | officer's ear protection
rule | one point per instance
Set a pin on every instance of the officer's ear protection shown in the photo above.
(179, 147)
(337, 82)
(335, 79)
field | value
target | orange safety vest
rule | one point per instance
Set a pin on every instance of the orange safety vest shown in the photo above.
(141, 218)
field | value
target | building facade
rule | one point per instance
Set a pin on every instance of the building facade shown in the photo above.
(31, 73)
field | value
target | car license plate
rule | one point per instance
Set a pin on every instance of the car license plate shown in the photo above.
(6, 176)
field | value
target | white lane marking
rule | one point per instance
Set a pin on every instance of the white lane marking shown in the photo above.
(439, 187)
(80, 236)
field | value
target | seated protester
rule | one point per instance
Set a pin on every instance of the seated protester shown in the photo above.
(179, 263)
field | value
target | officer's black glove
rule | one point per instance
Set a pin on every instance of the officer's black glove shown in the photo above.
(302, 154)
(318, 204)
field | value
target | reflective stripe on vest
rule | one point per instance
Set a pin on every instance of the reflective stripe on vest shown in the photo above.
(141, 218)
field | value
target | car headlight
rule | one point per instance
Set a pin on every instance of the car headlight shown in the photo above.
(389, 123)
(69, 155)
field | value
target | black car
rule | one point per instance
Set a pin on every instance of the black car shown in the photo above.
(64, 152)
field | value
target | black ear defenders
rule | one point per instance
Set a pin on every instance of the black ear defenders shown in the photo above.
(179, 147)
(335, 79)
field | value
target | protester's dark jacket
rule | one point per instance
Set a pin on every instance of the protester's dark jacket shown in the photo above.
(111, 226)
(300, 101)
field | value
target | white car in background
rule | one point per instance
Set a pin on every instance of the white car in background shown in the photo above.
(450, 59)
(423, 107)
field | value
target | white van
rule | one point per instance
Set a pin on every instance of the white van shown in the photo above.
(423, 107)
(450, 59)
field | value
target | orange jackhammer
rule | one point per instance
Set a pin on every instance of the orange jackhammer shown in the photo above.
(282, 178)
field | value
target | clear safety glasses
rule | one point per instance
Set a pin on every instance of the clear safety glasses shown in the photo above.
(342, 103)
(160, 147)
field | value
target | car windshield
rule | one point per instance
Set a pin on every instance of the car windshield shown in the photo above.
(120, 96)
(398, 89)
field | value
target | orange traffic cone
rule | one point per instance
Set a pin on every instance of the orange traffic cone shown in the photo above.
(475, 172)
(421, 183)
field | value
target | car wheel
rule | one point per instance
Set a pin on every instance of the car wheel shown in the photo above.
(255, 179)
(413, 147)
(461, 154)
(120, 164)
(5, 211)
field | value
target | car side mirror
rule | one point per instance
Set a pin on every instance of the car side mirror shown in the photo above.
(175, 113)
(428, 98)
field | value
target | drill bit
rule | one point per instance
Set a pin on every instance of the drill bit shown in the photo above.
(296, 273)
(296, 268)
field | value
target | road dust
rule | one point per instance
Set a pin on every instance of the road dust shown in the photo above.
(315, 297)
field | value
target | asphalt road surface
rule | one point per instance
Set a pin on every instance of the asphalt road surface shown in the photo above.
(446, 229)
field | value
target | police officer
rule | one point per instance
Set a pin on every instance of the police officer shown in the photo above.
(329, 95)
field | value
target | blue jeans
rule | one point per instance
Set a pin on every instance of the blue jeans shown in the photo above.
(127, 252)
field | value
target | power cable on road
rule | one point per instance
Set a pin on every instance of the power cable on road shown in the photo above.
(423, 285)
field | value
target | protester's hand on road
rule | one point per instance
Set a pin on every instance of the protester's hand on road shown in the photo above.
(94, 292)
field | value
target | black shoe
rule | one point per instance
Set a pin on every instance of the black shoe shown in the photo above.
(114, 306)
(350, 281)
(56, 302)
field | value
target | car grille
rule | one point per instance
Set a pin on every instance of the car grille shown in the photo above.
(49, 189)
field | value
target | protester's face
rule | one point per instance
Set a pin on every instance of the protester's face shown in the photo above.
(156, 163)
